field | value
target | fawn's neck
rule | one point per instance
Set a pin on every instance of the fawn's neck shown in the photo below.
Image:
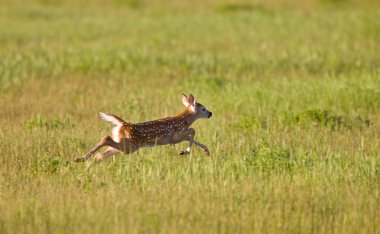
(187, 117)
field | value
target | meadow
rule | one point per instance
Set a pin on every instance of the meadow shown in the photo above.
(294, 88)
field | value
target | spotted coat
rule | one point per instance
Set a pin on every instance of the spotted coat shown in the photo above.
(156, 132)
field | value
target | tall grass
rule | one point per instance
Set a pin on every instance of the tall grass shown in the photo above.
(295, 92)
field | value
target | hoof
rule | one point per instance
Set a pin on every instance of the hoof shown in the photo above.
(184, 152)
(207, 152)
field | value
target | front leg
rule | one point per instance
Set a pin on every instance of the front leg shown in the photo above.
(205, 149)
(187, 135)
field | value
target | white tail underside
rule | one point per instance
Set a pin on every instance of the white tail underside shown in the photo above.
(110, 118)
(116, 121)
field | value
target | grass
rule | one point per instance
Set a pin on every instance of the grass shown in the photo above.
(294, 89)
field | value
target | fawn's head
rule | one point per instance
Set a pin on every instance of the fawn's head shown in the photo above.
(195, 108)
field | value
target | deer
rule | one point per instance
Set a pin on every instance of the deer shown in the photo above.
(129, 137)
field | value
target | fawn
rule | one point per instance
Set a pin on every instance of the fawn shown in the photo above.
(129, 137)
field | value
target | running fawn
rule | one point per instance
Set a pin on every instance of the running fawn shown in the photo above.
(129, 137)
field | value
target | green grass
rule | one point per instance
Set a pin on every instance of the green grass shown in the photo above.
(294, 89)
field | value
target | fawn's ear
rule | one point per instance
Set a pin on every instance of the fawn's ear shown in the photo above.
(184, 100)
(192, 102)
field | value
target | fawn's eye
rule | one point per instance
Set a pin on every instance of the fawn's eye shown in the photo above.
(203, 109)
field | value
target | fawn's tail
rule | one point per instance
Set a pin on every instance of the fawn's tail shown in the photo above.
(112, 118)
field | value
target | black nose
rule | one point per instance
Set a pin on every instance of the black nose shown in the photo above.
(209, 114)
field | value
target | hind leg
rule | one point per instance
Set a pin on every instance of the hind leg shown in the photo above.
(106, 154)
(106, 141)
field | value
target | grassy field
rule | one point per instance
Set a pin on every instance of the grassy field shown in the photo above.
(294, 89)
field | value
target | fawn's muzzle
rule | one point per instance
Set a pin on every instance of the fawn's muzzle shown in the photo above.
(210, 114)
